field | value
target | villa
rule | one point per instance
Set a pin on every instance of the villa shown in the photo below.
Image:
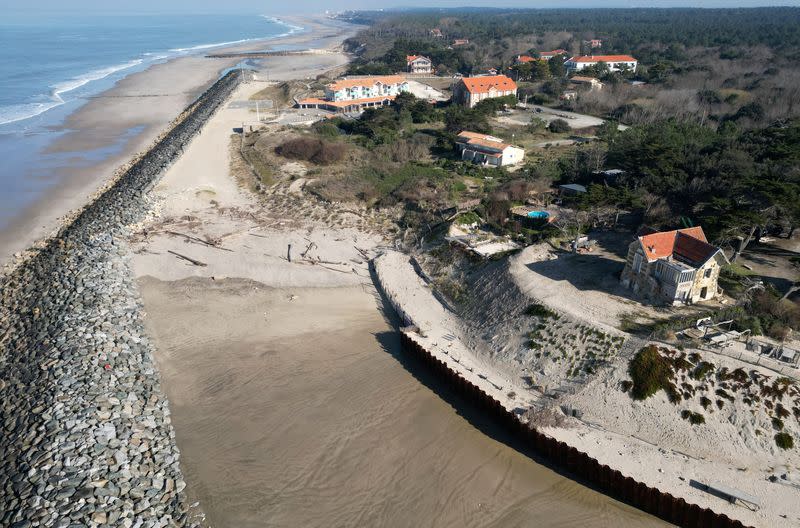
(586, 82)
(469, 91)
(419, 64)
(547, 55)
(614, 62)
(487, 150)
(674, 267)
(354, 95)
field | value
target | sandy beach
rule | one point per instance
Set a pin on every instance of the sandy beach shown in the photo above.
(304, 412)
(127, 118)
(286, 382)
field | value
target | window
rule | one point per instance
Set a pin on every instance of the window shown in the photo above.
(707, 274)
(637, 263)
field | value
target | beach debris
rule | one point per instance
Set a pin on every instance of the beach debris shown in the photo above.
(310, 246)
(190, 238)
(195, 262)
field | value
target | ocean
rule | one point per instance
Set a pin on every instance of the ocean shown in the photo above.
(50, 66)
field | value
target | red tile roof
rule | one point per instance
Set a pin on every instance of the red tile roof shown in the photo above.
(484, 83)
(553, 53)
(687, 244)
(603, 58)
(482, 142)
(526, 58)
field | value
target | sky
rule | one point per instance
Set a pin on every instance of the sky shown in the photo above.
(308, 6)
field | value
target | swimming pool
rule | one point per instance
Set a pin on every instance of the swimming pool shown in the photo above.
(538, 215)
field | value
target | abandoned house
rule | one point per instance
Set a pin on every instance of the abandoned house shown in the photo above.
(674, 266)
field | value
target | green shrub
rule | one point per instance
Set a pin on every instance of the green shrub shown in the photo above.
(777, 423)
(650, 372)
(703, 369)
(539, 310)
(784, 440)
(558, 126)
(693, 417)
(311, 149)
(467, 218)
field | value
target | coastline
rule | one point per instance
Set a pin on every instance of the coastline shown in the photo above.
(285, 379)
(142, 104)
(181, 193)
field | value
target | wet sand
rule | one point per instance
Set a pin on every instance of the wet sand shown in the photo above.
(304, 412)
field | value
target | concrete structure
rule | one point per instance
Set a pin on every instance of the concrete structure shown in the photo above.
(353, 95)
(345, 107)
(468, 91)
(674, 267)
(487, 150)
(571, 189)
(614, 62)
(419, 64)
(586, 82)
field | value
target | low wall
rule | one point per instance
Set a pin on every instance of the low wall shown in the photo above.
(85, 431)
(608, 480)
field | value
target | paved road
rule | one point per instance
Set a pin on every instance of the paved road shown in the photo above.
(575, 120)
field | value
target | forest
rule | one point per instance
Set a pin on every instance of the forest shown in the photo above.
(713, 126)
(626, 30)
(694, 64)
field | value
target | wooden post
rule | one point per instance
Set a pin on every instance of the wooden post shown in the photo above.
(289, 253)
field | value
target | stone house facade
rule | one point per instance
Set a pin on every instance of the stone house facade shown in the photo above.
(674, 267)
(469, 91)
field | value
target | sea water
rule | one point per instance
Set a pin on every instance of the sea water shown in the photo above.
(50, 65)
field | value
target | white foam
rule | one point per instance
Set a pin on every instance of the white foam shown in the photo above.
(94, 75)
(292, 28)
(20, 112)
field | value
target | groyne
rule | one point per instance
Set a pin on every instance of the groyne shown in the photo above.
(567, 458)
(86, 433)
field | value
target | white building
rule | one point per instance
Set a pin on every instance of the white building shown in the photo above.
(614, 62)
(487, 150)
(354, 95)
(419, 64)
(366, 87)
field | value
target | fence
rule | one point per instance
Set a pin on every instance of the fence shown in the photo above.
(609, 481)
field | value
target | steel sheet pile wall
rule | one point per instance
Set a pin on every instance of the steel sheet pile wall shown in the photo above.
(608, 480)
(85, 432)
